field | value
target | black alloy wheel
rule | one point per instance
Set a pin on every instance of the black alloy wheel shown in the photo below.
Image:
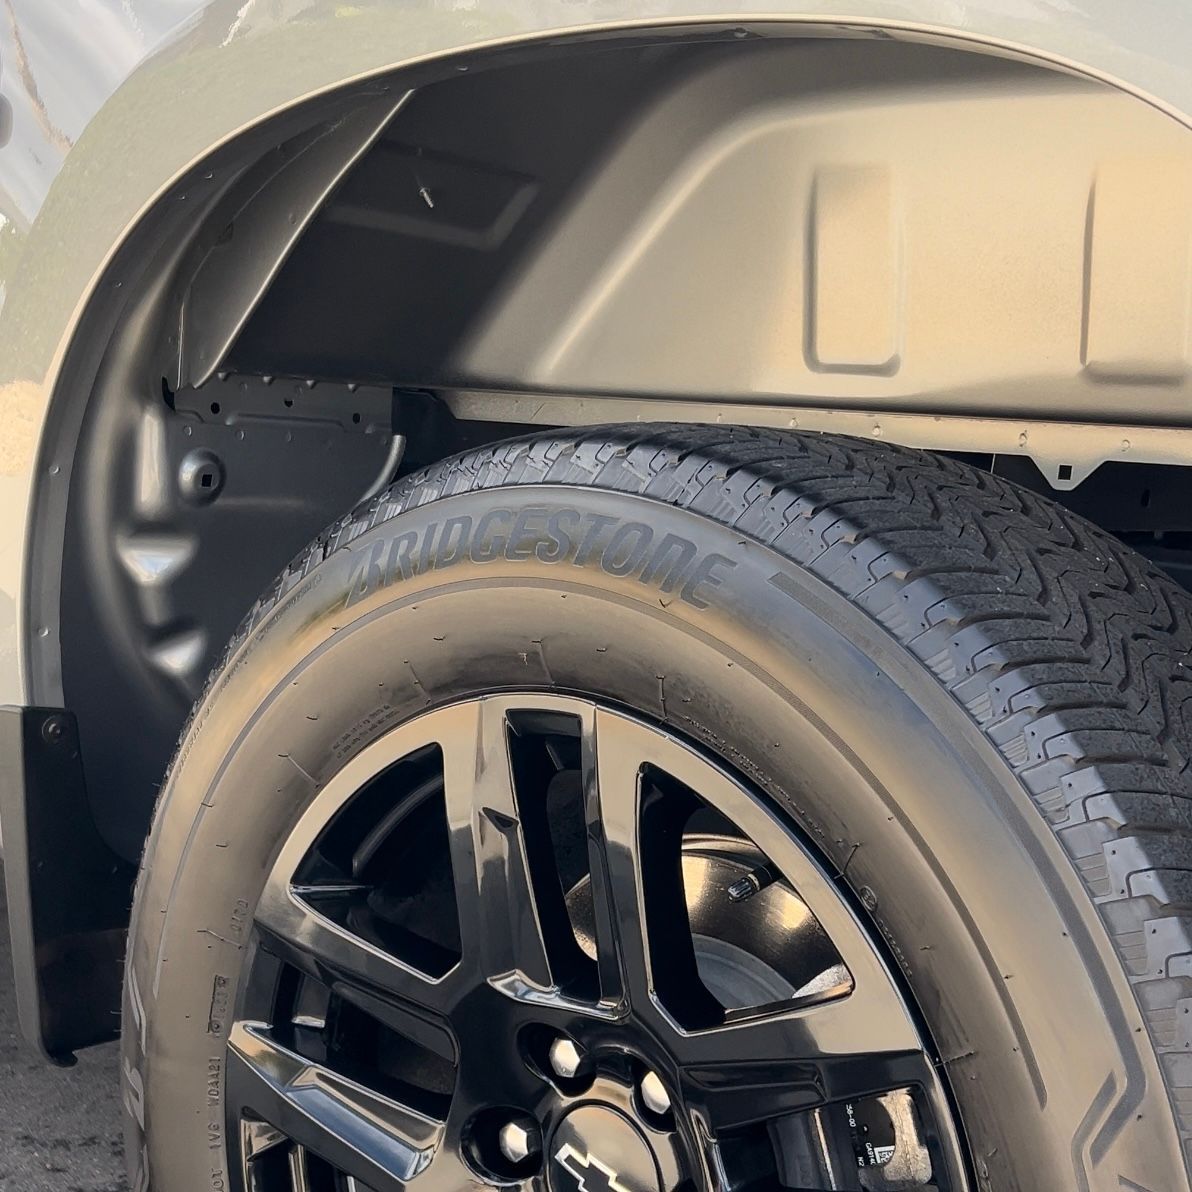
(618, 989)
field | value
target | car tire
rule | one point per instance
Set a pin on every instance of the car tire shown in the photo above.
(967, 700)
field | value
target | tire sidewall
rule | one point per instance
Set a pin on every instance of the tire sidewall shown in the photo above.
(736, 648)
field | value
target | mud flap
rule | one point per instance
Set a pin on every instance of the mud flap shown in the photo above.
(68, 893)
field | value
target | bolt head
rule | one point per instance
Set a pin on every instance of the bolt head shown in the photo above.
(654, 1095)
(518, 1141)
(565, 1057)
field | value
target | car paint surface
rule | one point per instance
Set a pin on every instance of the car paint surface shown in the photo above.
(107, 102)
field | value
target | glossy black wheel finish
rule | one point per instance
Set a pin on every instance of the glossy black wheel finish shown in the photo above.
(387, 1034)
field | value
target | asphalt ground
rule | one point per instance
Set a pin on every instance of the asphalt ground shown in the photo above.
(60, 1128)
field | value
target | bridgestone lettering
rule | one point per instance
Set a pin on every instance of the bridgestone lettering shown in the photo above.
(624, 549)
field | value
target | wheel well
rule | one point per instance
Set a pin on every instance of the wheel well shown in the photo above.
(715, 224)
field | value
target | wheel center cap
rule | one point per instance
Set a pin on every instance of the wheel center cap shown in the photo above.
(595, 1148)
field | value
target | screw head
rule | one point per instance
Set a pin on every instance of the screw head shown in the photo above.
(53, 730)
(518, 1141)
(654, 1094)
(565, 1057)
(201, 476)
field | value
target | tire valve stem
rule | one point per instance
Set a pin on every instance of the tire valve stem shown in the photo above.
(746, 887)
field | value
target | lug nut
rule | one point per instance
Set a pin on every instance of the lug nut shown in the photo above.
(654, 1095)
(565, 1057)
(518, 1141)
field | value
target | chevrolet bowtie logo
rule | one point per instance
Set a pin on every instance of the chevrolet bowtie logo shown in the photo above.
(589, 1173)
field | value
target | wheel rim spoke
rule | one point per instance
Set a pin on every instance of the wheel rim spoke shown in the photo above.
(293, 929)
(870, 1020)
(368, 1137)
(611, 792)
(754, 1069)
(501, 933)
(644, 942)
(299, 1170)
